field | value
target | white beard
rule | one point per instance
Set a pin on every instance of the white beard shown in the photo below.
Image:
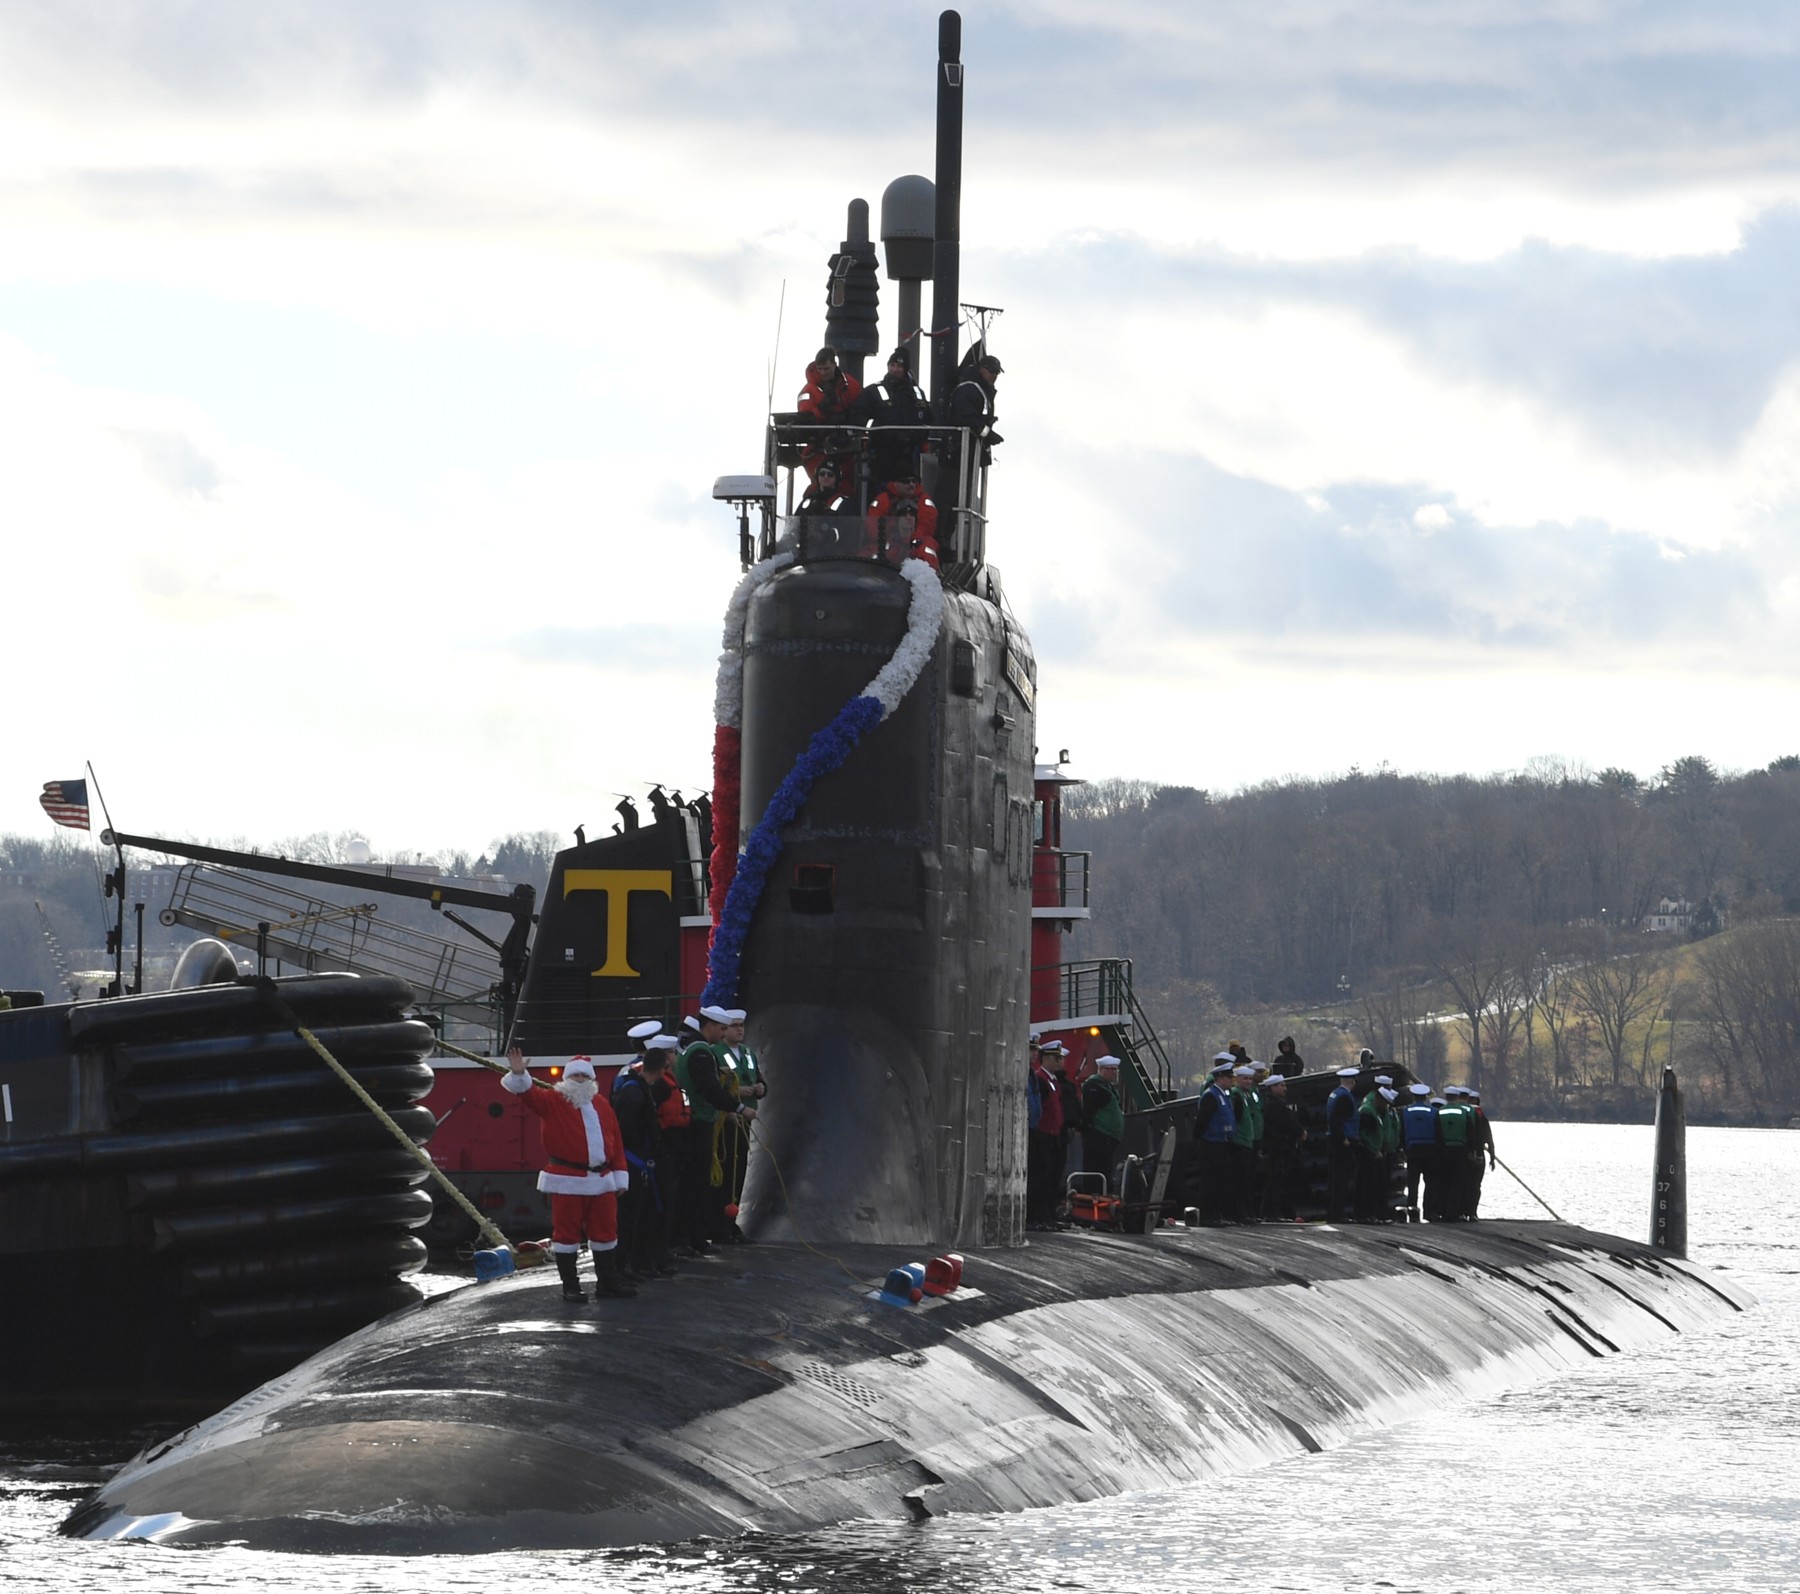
(579, 1089)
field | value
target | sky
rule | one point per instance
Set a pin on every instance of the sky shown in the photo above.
(1408, 382)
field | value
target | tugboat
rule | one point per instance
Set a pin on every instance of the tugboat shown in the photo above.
(892, 1347)
(190, 1202)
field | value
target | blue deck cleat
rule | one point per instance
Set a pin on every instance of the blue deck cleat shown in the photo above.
(491, 1265)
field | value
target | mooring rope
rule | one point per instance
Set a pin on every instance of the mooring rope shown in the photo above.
(496, 1240)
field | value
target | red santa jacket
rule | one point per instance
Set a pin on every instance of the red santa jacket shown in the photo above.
(575, 1139)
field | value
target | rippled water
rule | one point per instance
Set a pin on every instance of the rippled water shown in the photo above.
(1674, 1469)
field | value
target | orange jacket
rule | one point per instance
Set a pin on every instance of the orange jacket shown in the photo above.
(672, 1111)
(825, 403)
(888, 506)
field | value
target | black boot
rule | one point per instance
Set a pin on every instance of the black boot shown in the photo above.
(606, 1277)
(565, 1265)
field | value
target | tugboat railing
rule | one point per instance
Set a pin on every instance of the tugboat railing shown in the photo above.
(952, 471)
(310, 933)
(1059, 880)
(1102, 988)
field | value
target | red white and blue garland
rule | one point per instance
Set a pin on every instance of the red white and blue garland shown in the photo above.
(738, 880)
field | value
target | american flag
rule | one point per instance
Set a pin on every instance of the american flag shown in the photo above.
(66, 802)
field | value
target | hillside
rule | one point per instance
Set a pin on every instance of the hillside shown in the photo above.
(1382, 910)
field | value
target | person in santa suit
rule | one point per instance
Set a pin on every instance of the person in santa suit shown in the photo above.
(586, 1169)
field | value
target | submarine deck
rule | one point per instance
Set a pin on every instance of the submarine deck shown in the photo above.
(768, 1390)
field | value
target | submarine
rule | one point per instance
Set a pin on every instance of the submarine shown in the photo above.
(892, 1345)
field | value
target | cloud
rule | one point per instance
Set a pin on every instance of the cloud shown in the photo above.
(382, 358)
(173, 461)
(1354, 563)
(1609, 91)
(1672, 357)
(678, 648)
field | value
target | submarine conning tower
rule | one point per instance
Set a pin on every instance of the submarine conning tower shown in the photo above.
(887, 967)
(886, 963)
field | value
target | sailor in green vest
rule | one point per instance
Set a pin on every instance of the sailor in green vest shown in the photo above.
(1374, 1201)
(740, 1062)
(1393, 1134)
(1481, 1145)
(1103, 1112)
(699, 1071)
(1445, 1194)
(1246, 1144)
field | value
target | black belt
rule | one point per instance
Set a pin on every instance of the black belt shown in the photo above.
(580, 1167)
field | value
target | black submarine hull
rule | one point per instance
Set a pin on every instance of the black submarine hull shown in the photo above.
(772, 1391)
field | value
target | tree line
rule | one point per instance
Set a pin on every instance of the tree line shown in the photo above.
(1493, 924)
(51, 888)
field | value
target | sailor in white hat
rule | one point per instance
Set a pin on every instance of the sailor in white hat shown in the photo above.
(737, 1061)
(641, 1101)
(1044, 1137)
(1103, 1116)
(1444, 1193)
(1418, 1134)
(1378, 1152)
(1056, 1060)
(1283, 1135)
(1215, 1126)
(1340, 1145)
(740, 1059)
(701, 1218)
(1482, 1158)
(1246, 1149)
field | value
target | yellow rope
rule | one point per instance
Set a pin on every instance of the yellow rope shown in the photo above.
(488, 1063)
(487, 1231)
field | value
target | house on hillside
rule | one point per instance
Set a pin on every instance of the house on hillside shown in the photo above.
(1670, 918)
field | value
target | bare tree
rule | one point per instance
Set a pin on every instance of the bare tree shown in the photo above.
(1554, 998)
(1747, 1000)
(1507, 1014)
(1475, 958)
(1390, 1023)
(1616, 993)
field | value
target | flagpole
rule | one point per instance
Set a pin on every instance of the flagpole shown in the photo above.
(115, 885)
